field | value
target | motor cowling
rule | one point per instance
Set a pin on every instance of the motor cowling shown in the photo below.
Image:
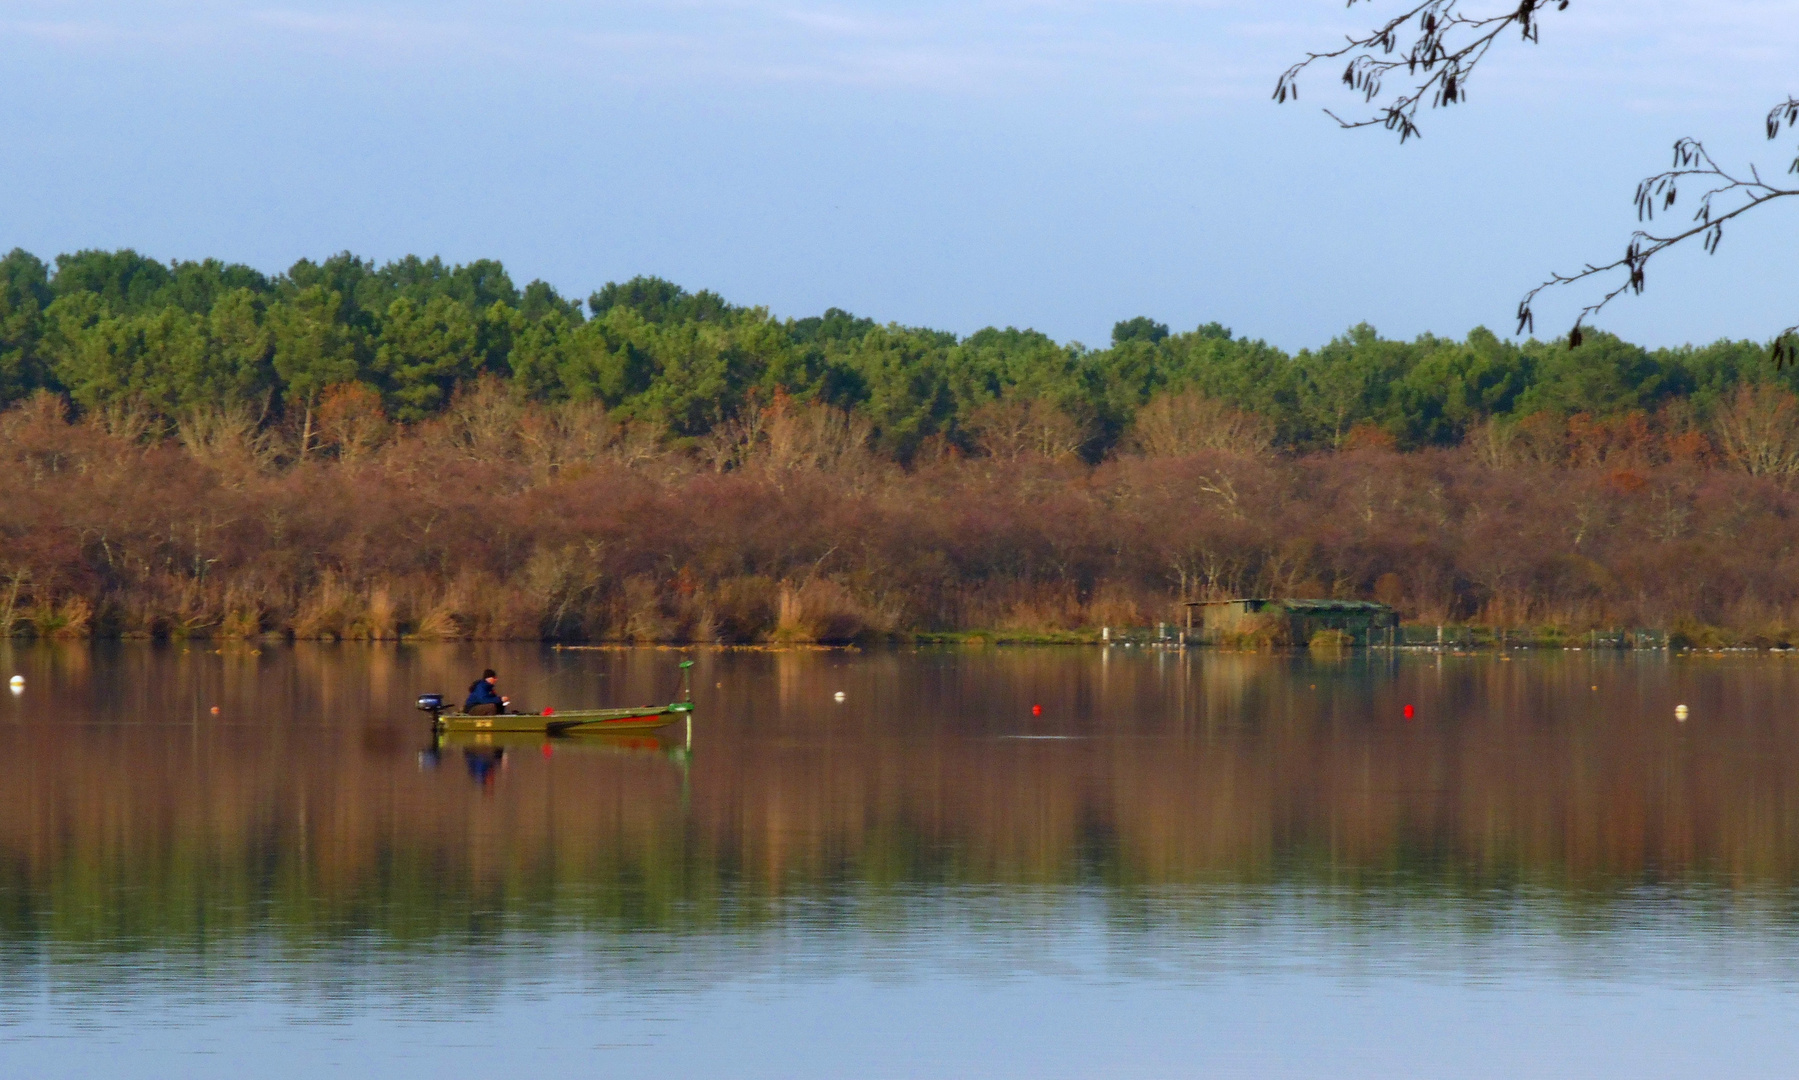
(431, 703)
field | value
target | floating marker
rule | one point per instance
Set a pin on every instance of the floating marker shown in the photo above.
(1036, 710)
(17, 682)
(547, 750)
(1680, 712)
(215, 710)
(838, 695)
(1410, 712)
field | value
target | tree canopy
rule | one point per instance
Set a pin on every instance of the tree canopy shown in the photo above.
(119, 330)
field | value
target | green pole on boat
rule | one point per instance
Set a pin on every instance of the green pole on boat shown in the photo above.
(687, 693)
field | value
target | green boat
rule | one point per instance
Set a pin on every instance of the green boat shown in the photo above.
(564, 722)
(572, 722)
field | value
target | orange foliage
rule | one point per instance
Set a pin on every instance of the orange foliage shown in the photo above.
(509, 520)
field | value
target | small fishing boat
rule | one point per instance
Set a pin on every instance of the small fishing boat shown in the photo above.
(562, 722)
(572, 722)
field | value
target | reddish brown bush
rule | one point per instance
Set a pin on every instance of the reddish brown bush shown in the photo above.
(499, 520)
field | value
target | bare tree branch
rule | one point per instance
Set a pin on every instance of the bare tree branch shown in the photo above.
(1729, 196)
(1447, 46)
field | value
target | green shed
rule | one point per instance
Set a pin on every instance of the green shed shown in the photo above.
(1286, 622)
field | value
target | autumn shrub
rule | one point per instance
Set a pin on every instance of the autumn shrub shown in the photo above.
(330, 610)
(500, 519)
(1690, 633)
(818, 610)
(68, 618)
(1113, 605)
(740, 609)
(1329, 641)
(1256, 632)
(1045, 609)
(241, 621)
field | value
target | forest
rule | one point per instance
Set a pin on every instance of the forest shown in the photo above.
(415, 449)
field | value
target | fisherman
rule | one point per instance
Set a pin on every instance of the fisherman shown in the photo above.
(483, 698)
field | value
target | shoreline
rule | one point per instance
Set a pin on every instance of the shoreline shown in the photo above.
(1143, 639)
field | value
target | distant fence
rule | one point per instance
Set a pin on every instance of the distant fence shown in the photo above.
(1166, 635)
(1447, 636)
(1548, 637)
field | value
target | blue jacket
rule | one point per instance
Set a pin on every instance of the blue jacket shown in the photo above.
(482, 693)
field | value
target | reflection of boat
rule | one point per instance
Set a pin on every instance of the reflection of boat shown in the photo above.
(573, 722)
(649, 743)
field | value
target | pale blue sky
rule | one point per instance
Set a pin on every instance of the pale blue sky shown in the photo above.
(1058, 164)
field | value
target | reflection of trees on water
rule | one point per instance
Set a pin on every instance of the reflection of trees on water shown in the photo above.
(1184, 788)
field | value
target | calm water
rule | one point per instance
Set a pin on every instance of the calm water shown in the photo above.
(1189, 865)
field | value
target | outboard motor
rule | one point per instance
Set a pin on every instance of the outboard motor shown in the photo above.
(431, 703)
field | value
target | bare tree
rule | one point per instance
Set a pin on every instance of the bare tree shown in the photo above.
(1188, 422)
(811, 435)
(1432, 49)
(1758, 431)
(349, 417)
(1017, 425)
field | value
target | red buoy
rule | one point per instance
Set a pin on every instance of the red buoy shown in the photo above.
(1036, 710)
(1408, 712)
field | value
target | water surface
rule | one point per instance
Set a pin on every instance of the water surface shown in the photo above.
(1193, 864)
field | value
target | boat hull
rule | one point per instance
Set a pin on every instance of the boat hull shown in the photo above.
(575, 722)
(649, 743)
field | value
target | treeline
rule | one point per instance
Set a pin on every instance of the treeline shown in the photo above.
(415, 450)
(503, 519)
(188, 341)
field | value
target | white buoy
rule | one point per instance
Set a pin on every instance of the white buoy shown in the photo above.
(17, 682)
(838, 695)
(1680, 712)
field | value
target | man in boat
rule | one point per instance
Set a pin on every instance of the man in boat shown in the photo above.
(484, 698)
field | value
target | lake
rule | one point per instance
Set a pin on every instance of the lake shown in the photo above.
(998, 862)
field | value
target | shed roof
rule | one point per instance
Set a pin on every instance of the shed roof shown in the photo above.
(1297, 605)
(1333, 605)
